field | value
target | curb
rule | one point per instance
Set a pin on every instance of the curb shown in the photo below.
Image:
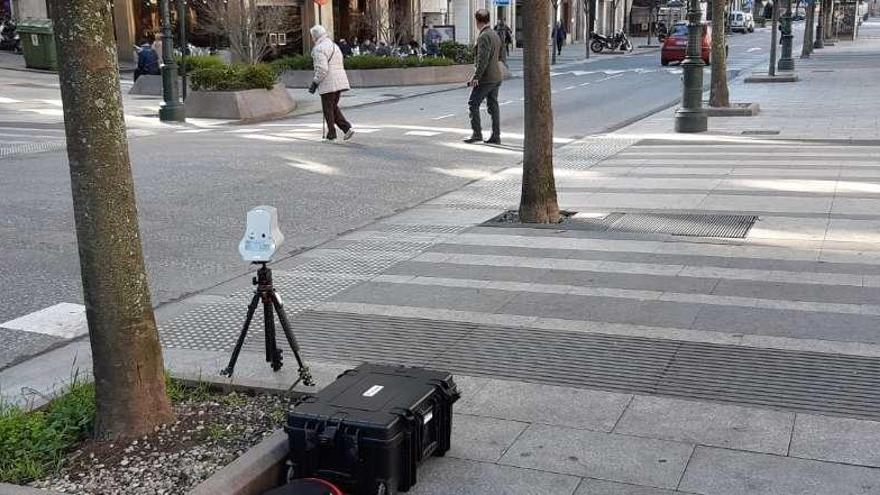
(7, 489)
(257, 470)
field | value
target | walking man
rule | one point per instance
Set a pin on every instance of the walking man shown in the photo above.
(330, 81)
(504, 32)
(487, 78)
(560, 34)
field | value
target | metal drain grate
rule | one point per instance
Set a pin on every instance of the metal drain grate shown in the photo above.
(760, 132)
(801, 381)
(676, 224)
(685, 224)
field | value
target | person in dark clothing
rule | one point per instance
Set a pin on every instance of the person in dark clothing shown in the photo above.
(383, 50)
(768, 10)
(560, 34)
(433, 38)
(488, 74)
(345, 48)
(148, 61)
(503, 31)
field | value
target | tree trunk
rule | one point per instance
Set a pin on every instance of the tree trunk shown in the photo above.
(127, 359)
(774, 37)
(719, 95)
(538, 202)
(807, 48)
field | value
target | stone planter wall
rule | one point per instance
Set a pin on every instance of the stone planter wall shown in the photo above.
(150, 85)
(259, 469)
(413, 76)
(249, 105)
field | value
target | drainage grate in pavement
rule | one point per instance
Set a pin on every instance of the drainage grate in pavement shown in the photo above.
(676, 224)
(824, 70)
(800, 381)
(760, 132)
(685, 224)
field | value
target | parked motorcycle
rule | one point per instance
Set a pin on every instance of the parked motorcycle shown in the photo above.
(9, 38)
(618, 41)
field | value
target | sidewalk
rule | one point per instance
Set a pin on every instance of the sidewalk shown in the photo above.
(621, 356)
(15, 61)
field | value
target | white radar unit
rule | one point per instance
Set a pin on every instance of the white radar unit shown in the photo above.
(262, 237)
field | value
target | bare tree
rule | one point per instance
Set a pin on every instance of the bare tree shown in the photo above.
(127, 358)
(538, 202)
(245, 25)
(719, 95)
(388, 23)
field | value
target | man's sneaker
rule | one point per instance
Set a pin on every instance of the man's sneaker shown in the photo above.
(330, 140)
(473, 139)
(348, 135)
(493, 140)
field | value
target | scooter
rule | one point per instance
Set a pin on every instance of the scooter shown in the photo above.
(9, 38)
(618, 40)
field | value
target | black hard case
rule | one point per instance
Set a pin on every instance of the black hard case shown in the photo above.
(373, 426)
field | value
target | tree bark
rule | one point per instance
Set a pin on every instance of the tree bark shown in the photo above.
(719, 95)
(807, 47)
(774, 37)
(538, 202)
(127, 358)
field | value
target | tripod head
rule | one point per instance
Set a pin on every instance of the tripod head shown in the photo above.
(264, 274)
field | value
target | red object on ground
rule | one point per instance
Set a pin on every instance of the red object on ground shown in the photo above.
(675, 47)
(306, 486)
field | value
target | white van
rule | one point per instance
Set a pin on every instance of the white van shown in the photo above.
(742, 22)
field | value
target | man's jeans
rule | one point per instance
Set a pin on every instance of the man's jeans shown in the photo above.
(488, 92)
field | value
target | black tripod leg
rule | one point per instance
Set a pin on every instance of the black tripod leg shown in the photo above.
(273, 355)
(252, 308)
(304, 374)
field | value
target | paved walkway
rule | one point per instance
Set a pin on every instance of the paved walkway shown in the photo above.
(612, 358)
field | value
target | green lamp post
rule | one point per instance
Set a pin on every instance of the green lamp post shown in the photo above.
(786, 61)
(172, 109)
(819, 43)
(691, 116)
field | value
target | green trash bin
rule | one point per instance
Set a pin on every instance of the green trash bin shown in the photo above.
(38, 43)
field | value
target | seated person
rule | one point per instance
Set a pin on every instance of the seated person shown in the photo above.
(148, 61)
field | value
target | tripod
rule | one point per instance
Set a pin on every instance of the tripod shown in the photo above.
(265, 292)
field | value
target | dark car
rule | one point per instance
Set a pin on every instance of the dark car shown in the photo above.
(675, 47)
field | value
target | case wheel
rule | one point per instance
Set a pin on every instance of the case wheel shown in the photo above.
(382, 489)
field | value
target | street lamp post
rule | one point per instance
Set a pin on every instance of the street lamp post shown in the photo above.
(819, 43)
(170, 110)
(786, 61)
(691, 116)
(181, 23)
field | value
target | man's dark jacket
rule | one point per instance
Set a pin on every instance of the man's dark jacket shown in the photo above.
(488, 54)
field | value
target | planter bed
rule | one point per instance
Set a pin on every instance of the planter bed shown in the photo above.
(248, 105)
(213, 438)
(370, 78)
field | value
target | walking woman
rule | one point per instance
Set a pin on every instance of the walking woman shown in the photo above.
(330, 81)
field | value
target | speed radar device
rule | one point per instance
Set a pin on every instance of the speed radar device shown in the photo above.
(262, 235)
(262, 238)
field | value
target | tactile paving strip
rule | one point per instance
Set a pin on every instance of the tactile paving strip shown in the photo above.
(792, 380)
(216, 326)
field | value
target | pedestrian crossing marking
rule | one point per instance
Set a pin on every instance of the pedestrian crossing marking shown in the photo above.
(63, 320)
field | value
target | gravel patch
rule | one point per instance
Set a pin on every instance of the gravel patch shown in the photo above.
(210, 432)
